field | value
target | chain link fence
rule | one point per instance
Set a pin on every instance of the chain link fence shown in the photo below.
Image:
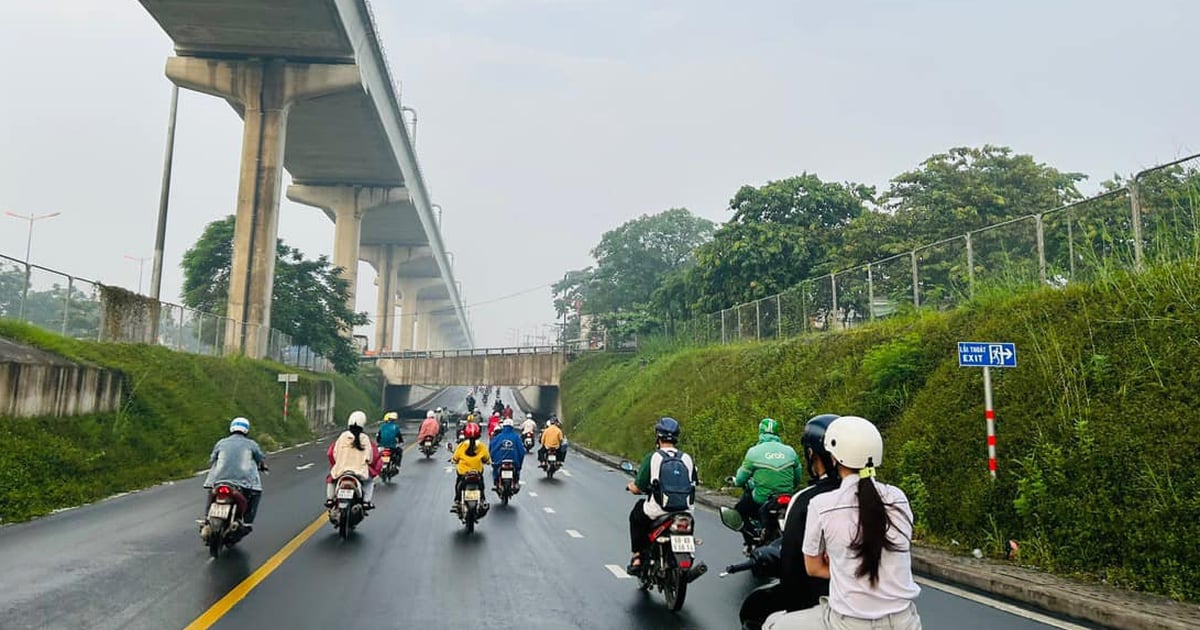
(75, 307)
(1154, 218)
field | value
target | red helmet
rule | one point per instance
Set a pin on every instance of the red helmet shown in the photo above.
(471, 431)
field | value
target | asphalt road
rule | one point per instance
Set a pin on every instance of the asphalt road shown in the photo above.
(550, 560)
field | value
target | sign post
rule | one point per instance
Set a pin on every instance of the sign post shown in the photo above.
(287, 380)
(988, 355)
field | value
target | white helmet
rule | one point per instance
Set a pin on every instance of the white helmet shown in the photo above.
(239, 425)
(439, 410)
(430, 414)
(357, 419)
(508, 422)
(854, 442)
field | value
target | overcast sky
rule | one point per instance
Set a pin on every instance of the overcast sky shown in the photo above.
(543, 123)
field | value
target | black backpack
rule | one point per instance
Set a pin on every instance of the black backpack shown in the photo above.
(674, 490)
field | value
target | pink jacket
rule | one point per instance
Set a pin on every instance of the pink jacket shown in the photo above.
(429, 428)
(344, 457)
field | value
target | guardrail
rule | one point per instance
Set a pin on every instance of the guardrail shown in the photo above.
(569, 350)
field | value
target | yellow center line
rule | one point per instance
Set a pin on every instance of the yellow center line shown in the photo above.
(218, 610)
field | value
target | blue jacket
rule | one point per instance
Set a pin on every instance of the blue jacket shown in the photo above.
(389, 435)
(507, 444)
(235, 460)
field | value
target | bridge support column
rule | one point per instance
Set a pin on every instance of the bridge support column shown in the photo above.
(430, 311)
(346, 205)
(387, 266)
(410, 308)
(263, 91)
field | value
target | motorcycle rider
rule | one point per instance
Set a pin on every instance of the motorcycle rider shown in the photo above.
(353, 452)
(498, 407)
(430, 427)
(389, 436)
(470, 456)
(860, 537)
(442, 418)
(493, 424)
(769, 467)
(236, 460)
(470, 403)
(506, 444)
(552, 438)
(645, 511)
(508, 411)
(529, 425)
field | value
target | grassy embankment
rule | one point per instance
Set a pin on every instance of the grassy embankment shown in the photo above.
(1097, 428)
(176, 406)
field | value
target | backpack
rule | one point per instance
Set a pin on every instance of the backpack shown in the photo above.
(674, 490)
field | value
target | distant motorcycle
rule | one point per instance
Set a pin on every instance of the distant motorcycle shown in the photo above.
(527, 439)
(508, 483)
(428, 446)
(348, 509)
(391, 465)
(473, 505)
(553, 463)
(223, 524)
(669, 564)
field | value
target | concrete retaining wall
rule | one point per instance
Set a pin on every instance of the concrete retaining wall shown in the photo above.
(317, 401)
(32, 389)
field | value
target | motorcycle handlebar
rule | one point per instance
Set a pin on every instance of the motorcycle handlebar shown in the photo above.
(738, 568)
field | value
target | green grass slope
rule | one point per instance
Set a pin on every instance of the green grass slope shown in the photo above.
(175, 407)
(1097, 427)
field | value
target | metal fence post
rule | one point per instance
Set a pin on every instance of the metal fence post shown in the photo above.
(803, 308)
(1071, 245)
(870, 293)
(723, 337)
(970, 266)
(758, 320)
(778, 315)
(67, 304)
(833, 296)
(1041, 247)
(1135, 206)
(738, 308)
(916, 281)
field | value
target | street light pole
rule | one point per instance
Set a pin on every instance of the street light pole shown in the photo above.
(141, 261)
(414, 123)
(164, 197)
(31, 218)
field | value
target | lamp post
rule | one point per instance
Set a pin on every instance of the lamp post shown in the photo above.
(438, 207)
(414, 123)
(31, 218)
(141, 261)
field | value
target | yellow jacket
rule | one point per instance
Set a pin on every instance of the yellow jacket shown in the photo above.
(552, 436)
(467, 463)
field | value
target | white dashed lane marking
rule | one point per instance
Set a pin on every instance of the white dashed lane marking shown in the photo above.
(533, 494)
(618, 572)
(566, 472)
(548, 510)
(574, 534)
(306, 466)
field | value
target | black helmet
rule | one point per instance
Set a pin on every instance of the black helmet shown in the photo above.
(667, 429)
(813, 444)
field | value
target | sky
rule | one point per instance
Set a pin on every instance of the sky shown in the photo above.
(544, 123)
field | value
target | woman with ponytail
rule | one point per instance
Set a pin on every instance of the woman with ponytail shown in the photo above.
(354, 452)
(470, 456)
(859, 537)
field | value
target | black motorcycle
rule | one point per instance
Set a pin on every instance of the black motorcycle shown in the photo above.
(391, 464)
(348, 509)
(508, 482)
(765, 529)
(473, 505)
(669, 563)
(223, 524)
(552, 463)
(764, 563)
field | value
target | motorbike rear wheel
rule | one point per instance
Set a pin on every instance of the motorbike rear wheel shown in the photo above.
(470, 520)
(674, 588)
(344, 523)
(216, 533)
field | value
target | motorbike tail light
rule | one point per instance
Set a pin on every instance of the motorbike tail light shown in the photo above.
(681, 524)
(783, 499)
(385, 452)
(685, 564)
(224, 491)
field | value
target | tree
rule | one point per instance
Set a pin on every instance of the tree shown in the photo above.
(781, 233)
(632, 260)
(309, 300)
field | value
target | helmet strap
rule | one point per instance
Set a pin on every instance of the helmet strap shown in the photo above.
(866, 473)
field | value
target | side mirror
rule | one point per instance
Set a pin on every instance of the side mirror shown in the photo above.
(731, 519)
(730, 481)
(626, 466)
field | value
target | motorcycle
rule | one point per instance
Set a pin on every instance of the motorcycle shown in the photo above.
(764, 530)
(223, 524)
(391, 465)
(552, 462)
(527, 439)
(508, 482)
(669, 564)
(348, 509)
(766, 599)
(428, 446)
(458, 438)
(473, 505)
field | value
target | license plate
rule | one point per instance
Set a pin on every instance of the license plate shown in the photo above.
(506, 474)
(683, 544)
(220, 510)
(387, 459)
(471, 495)
(345, 493)
(552, 458)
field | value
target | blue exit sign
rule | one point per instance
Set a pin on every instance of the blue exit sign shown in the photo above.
(987, 354)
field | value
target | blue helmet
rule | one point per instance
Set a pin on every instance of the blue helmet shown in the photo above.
(667, 429)
(239, 425)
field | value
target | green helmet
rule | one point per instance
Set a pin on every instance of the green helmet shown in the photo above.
(768, 426)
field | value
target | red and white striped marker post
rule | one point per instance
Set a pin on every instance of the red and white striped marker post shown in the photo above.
(287, 380)
(990, 414)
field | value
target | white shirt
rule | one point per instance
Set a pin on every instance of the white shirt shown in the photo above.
(651, 507)
(831, 527)
(529, 426)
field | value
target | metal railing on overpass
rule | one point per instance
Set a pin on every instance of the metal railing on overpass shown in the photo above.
(568, 350)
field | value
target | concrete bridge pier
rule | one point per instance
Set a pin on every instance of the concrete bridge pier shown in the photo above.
(410, 308)
(263, 92)
(347, 205)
